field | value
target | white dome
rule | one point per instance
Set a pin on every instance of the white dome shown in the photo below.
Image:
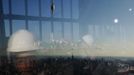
(22, 40)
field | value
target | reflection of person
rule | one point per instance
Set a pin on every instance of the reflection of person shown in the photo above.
(23, 46)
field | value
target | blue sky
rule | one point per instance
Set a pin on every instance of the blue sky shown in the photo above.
(104, 11)
(99, 15)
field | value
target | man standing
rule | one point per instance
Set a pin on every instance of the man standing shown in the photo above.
(22, 48)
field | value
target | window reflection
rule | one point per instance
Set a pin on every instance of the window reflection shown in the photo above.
(18, 24)
(45, 8)
(76, 32)
(33, 7)
(67, 8)
(46, 30)
(7, 28)
(18, 7)
(33, 26)
(57, 12)
(57, 30)
(75, 9)
(91, 30)
(5, 6)
(67, 31)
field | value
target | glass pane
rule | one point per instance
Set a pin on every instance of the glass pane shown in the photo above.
(57, 12)
(75, 9)
(33, 7)
(67, 8)
(18, 24)
(97, 31)
(45, 8)
(57, 31)
(7, 28)
(46, 31)
(91, 30)
(18, 7)
(76, 31)
(33, 26)
(67, 31)
(5, 6)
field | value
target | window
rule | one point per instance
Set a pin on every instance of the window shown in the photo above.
(97, 31)
(5, 6)
(67, 8)
(75, 9)
(57, 12)
(18, 7)
(18, 24)
(33, 8)
(67, 31)
(91, 30)
(33, 26)
(76, 31)
(117, 29)
(57, 30)
(46, 31)
(45, 8)
(7, 28)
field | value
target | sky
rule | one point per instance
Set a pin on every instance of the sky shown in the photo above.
(105, 11)
(110, 23)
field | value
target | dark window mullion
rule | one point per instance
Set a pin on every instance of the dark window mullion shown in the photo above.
(10, 15)
(2, 29)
